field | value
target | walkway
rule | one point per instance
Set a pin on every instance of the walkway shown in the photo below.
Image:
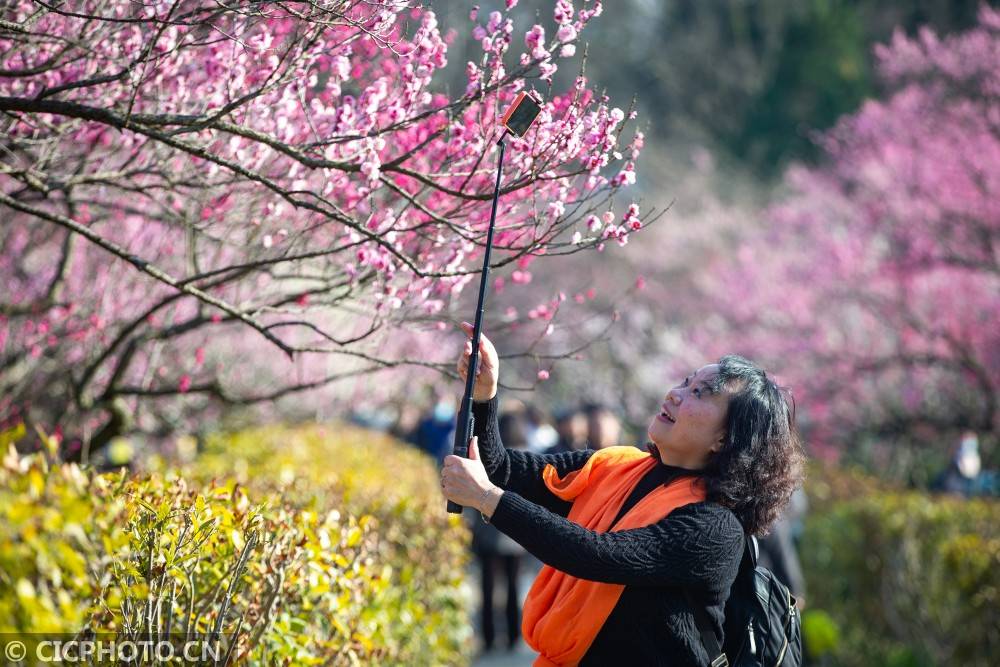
(521, 655)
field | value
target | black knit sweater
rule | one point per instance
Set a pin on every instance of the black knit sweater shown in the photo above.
(697, 547)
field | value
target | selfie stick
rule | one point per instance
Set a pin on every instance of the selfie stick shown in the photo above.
(517, 120)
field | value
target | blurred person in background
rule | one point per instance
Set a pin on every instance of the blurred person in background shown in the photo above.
(541, 434)
(435, 431)
(603, 426)
(571, 426)
(964, 475)
(404, 427)
(494, 550)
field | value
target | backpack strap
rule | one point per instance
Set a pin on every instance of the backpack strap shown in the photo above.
(708, 638)
(752, 551)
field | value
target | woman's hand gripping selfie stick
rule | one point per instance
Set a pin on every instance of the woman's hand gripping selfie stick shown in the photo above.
(517, 120)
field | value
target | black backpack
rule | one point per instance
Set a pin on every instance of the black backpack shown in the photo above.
(762, 627)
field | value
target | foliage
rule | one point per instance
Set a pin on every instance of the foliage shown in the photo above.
(900, 577)
(830, 485)
(59, 531)
(302, 579)
(420, 612)
(751, 80)
(188, 185)
(825, 44)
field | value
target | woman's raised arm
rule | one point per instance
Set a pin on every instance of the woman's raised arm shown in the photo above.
(517, 470)
(508, 468)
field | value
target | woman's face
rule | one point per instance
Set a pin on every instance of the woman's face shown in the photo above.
(691, 422)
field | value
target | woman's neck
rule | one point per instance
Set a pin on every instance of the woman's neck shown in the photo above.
(668, 458)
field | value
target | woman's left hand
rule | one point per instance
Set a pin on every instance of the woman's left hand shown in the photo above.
(464, 480)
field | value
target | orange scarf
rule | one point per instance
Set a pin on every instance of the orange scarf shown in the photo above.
(562, 613)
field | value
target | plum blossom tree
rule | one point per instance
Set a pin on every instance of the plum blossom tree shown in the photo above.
(875, 284)
(245, 201)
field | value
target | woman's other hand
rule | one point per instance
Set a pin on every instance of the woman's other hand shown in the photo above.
(464, 481)
(488, 373)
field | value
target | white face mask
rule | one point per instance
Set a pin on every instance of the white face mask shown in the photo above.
(967, 460)
(443, 411)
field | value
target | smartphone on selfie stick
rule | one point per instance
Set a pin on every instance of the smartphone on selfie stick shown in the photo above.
(517, 120)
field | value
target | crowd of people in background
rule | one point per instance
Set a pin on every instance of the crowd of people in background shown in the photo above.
(432, 428)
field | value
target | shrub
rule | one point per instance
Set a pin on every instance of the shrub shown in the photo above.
(285, 574)
(908, 578)
(59, 531)
(421, 612)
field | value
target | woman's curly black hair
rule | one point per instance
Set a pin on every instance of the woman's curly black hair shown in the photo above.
(761, 461)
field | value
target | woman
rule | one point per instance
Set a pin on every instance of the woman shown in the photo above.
(631, 539)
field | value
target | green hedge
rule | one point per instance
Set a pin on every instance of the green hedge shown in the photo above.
(422, 615)
(310, 545)
(899, 577)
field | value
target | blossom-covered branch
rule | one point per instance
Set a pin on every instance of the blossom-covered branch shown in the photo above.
(287, 167)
